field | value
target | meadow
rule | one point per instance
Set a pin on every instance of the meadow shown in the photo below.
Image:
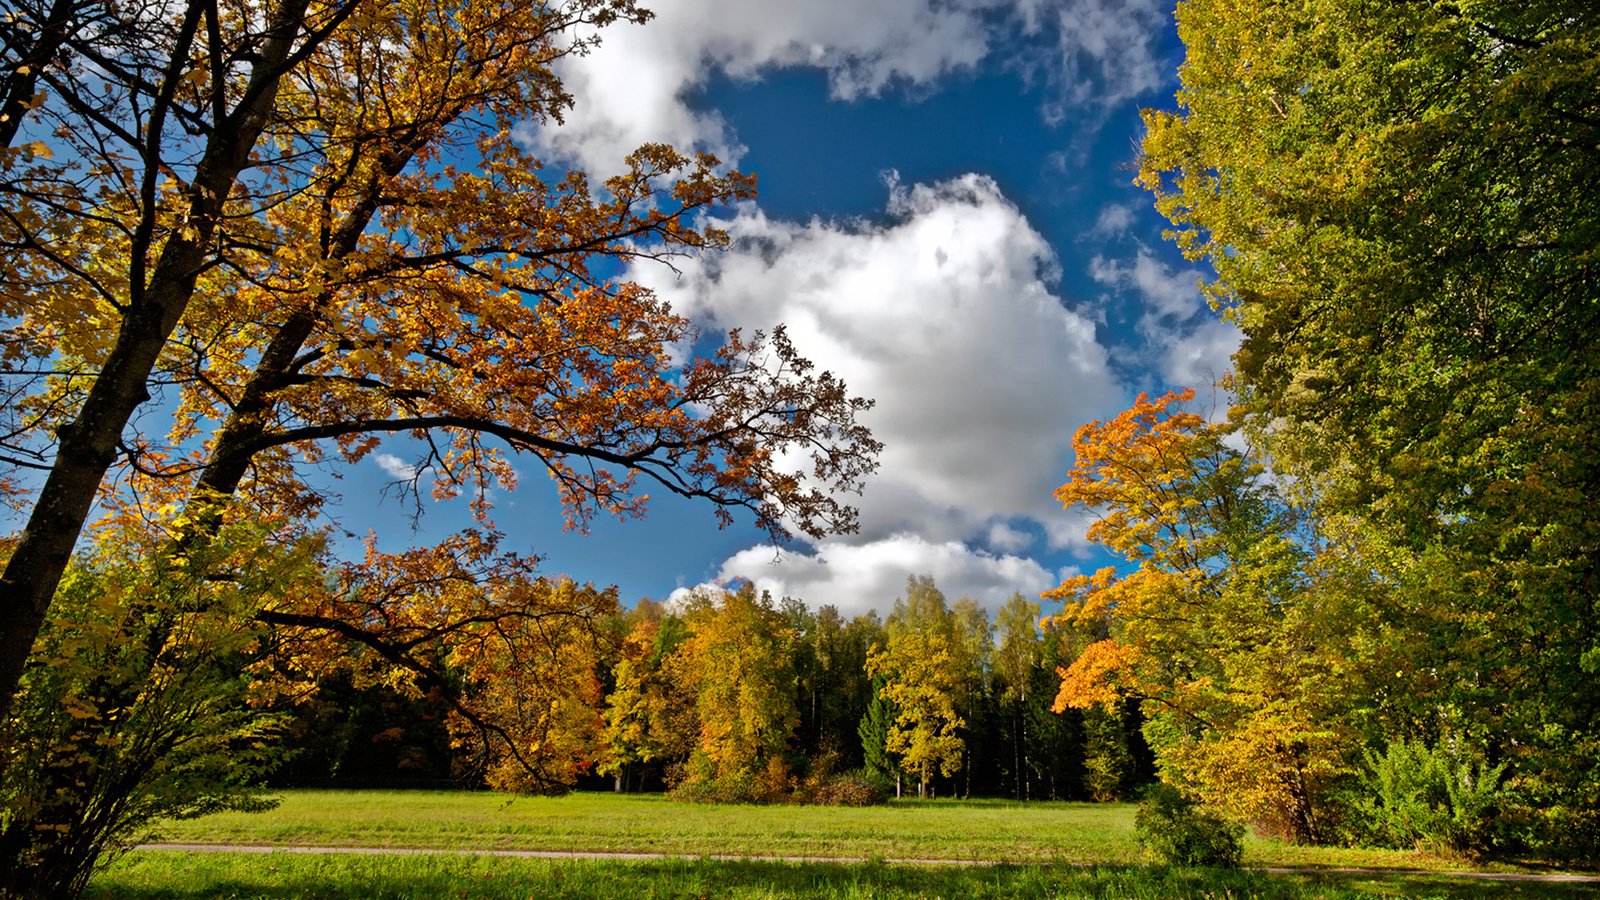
(1011, 850)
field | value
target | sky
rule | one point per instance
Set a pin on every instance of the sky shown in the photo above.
(946, 220)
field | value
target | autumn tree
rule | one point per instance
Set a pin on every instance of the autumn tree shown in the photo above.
(924, 664)
(1400, 206)
(513, 656)
(736, 664)
(648, 717)
(313, 228)
(304, 255)
(1234, 625)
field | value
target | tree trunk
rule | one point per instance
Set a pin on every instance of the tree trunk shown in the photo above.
(89, 443)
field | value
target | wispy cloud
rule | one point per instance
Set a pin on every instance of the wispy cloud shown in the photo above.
(633, 87)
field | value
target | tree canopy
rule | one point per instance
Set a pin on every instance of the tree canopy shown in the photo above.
(1399, 204)
(313, 228)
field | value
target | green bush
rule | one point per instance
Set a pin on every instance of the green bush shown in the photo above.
(1440, 798)
(1182, 833)
(135, 706)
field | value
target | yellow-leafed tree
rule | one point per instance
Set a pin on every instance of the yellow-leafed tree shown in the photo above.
(1244, 630)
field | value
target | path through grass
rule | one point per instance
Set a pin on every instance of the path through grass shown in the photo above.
(169, 875)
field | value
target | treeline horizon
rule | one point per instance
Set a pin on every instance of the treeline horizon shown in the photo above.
(826, 715)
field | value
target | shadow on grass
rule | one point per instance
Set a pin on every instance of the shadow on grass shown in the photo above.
(171, 875)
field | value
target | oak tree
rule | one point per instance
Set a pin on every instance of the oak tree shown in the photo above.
(341, 238)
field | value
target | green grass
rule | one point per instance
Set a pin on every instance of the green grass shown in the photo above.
(1066, 850)
(1079, 833)
(171, 875)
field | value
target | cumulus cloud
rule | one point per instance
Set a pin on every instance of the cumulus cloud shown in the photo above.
(1197, 357)
(1007, 539)
(861, 577)
(946, 315)
(633, 87)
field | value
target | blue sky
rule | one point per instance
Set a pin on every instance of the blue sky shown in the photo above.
(947, 221)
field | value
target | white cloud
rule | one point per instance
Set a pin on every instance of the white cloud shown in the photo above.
(1168, 294)
(395, 467)
(1198, 357)
(1114, 220)
(1188, 344)
(1107, 51)
(1007, 539)
(861, 577)
(946, 316)
(633, 87)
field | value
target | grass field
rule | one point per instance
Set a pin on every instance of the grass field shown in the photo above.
(996, 830)
(1057, 842)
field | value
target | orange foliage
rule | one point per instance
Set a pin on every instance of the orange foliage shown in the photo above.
(1100, 676)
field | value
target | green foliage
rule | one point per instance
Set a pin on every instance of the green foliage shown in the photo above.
(1181, 833)
(1436, 797)
(1108, 763)
(1402, 206)
(136, 707)
(874, 734)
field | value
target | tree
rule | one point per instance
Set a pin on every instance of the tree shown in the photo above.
(648, 717)
(842, 690)
(926, 681)
(279, 223)
(626, 739)
(975, 643)
(316, 268)
(1057, 760)
(736, 663)
(1234, 626)
(873, 730)
(1015, 660)
(1401, 209)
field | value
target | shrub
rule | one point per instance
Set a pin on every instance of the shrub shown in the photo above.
(135, 706)
(1440, 798)
(1182, 833)
(859, 788)
(739, 787)
(821, 788)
